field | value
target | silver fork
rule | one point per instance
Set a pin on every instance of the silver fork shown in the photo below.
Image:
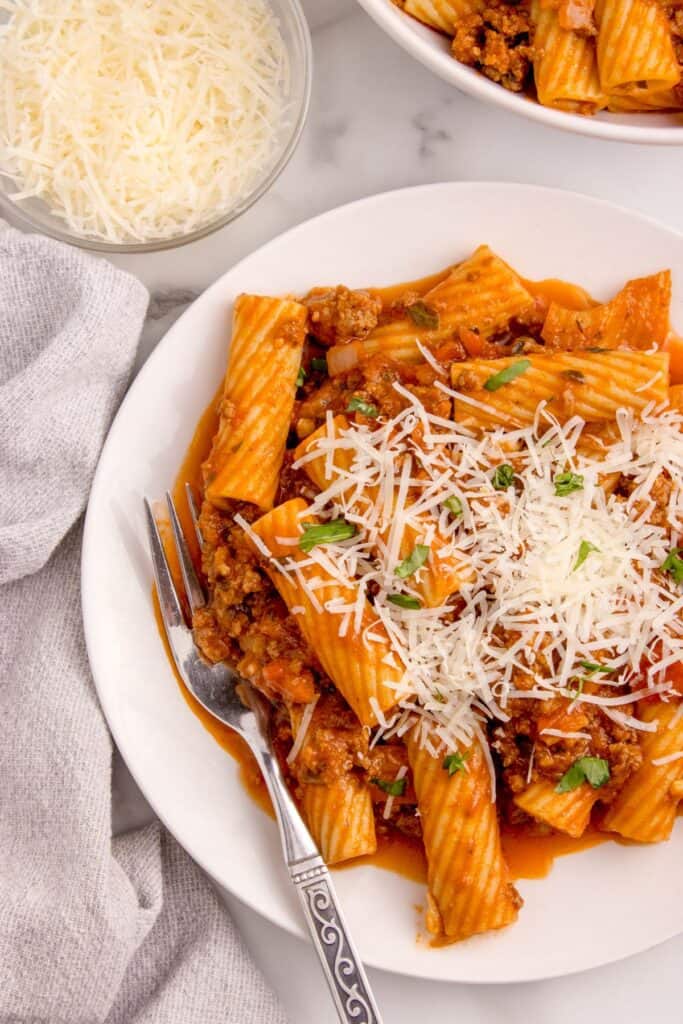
(232, 700)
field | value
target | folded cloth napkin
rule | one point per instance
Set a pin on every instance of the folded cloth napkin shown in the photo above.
(124, 931)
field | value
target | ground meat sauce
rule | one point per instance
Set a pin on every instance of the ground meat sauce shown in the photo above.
(247, 624)
(497, 41)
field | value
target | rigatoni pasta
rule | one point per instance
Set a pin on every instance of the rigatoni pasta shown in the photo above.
(460, 590)
(359, 670)
(441, 14)
(635, 50)
(624, 55)
(564, 812)
(258, 396)
(565, 65)
(468, 878)
(592, 385)
(482, 291)
(645, 809)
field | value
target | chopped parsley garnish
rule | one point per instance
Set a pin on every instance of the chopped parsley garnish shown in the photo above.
(575, 694)
(404, 601)
(415, 560)
(423, 315)
(325, 533)
(453, 763)
(300, 377)
(574, 375)
(567, 483)
(319, 364)
(673, 564)
(454, 505)
(585, 548)
(395, 787)
(507, 375)
(364, 408)
(503, 477)
(596, 348)
(593, 770)
(593, 666)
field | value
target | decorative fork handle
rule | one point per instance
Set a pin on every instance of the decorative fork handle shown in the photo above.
(339, 960)
(342, 968)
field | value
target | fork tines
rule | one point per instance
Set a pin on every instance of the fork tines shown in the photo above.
(170, 600)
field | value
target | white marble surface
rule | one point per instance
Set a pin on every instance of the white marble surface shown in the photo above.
(380, 121)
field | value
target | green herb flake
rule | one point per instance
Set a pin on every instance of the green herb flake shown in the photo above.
(567, 483)
(395, 787)
(574, 375)
(585, 548)
(415, 560)
(404, 601)
(300, 377)
(364, 408)
(593, 666)
(423, 315)
(575, 694)
(453, 763)
(320, 365)
(454, 505)
(595, 348)
(593, 770)
(325, 533)
(673, 564)
(503, 477)
(507, 375)
(439, 697)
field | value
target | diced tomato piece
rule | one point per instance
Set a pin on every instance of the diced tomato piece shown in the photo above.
(474, 344)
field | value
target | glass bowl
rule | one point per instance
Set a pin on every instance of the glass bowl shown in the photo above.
(34, 214)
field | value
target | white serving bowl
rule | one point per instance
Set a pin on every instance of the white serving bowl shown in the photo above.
(432, 49)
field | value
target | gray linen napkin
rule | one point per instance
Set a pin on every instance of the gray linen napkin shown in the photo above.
(91, 930)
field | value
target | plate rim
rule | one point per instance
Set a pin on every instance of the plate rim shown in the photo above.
(87, 579)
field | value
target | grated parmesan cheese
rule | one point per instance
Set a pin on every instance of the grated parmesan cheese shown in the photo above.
(529, 615)
(667, 759)
(302, 731)
(139, 119)
(389, 805)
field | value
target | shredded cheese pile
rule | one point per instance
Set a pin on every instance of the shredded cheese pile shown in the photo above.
(139, 119)
(539, 602)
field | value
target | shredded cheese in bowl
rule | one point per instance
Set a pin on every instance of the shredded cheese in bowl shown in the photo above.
(136, 120)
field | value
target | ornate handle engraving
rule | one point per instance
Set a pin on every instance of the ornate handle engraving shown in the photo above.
(339, 960)
(343, 970)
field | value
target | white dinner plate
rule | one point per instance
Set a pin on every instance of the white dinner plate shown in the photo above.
(432, 49)
(596, 906)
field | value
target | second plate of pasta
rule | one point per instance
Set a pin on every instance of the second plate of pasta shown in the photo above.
(440, 532)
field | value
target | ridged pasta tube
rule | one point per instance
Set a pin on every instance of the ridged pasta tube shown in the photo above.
(591, 385)
(567, 812)
(258, 398)
(645, 809)
(482, 292)
(468, 878)
(362, 669)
